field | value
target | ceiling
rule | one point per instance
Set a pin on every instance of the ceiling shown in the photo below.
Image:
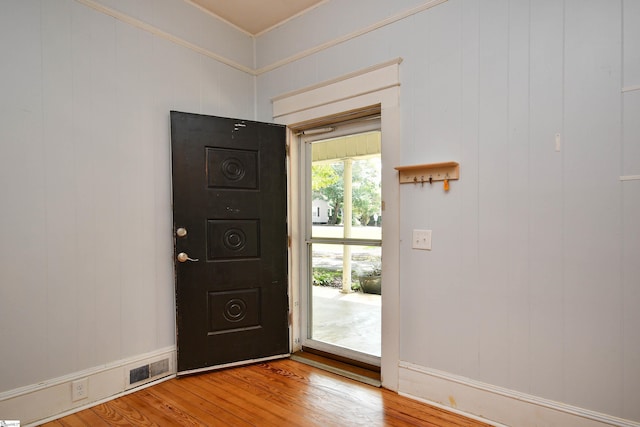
(255, 16)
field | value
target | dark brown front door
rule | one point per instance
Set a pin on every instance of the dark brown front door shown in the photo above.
(229, 216)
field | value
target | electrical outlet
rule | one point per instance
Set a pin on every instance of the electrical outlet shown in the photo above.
(421, 239)
(79, 389)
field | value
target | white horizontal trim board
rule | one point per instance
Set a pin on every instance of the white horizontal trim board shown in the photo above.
(495, 403)
(630, 178)
(630, 88)
(52, 398)
(453, 410)
(99, 402)
(123, 17)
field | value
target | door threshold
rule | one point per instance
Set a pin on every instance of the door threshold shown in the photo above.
(357, 373)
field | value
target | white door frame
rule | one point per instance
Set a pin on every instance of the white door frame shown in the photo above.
(377, 85)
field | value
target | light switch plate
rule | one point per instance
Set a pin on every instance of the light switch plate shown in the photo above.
(421, 239)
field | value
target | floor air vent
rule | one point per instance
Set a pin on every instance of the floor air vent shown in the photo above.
(148, 372)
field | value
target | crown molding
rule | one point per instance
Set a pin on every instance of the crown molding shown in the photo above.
(134, 22)
(137, 23)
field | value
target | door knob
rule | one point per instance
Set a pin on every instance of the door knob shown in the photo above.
(183, 257)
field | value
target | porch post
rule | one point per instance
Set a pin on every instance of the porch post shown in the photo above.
(347, 220)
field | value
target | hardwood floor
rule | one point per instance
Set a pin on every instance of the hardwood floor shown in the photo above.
(277, 393)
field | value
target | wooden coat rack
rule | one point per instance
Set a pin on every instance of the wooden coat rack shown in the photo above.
(428, 173)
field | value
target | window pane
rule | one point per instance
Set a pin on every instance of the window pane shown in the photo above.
(346, 181)
(346, 308)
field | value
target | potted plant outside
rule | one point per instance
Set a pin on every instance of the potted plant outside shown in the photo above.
(371, 282)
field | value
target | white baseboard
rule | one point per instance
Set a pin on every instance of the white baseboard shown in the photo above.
(496, 405)
(52, 398)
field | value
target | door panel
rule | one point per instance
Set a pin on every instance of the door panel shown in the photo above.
(229, 193)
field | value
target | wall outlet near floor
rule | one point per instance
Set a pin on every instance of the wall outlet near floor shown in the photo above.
(79, 389)
(421, 239)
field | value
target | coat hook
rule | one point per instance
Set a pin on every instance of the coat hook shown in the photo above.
(430, 179)
(422, 180)
(415, 179)
(446, 183)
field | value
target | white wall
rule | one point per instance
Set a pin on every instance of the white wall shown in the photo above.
(190, 24)
(86, 270)
(534, 282)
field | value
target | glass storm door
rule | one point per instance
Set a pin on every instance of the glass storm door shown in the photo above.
(344, 242)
